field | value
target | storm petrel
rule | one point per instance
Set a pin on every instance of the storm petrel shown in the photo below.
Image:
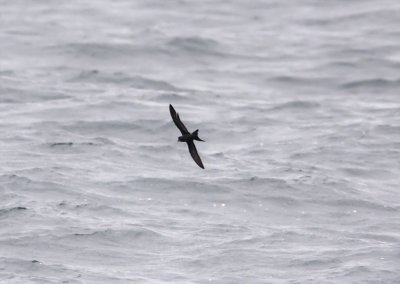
(187, 136)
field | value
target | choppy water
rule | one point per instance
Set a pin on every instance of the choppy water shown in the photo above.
(299, 104)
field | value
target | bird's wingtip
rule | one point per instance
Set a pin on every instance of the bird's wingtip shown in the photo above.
(171, 109)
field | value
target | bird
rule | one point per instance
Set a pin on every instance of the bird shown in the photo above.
(187, 136)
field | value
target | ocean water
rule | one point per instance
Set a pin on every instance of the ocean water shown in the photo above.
(299, 104)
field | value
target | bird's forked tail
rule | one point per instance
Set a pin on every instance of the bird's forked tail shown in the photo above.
(195, 135)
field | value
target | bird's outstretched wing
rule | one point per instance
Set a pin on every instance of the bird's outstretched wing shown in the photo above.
(194, 154)
(177, 120)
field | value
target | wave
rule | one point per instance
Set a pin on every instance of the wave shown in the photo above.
(358, 203)
(171, 97)
(387, 129)
(94, 50)
(194, 45)
(296, 81)
(36, 189)
(110, 126)
(97, 141)
(11, 210)
(144, 238)
(353, 16)
(156, 148)
(119, 78)
(20, 95)
(297, 105)
(375, 83)
(172, 185)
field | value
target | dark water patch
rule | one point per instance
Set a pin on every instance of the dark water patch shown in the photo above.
(357, 204)
(7, 73)
(76, 146)
(14, 178)
(338, 65)
(100, 51)
(218, 155)
(69, 147)
(194, 212)
(244, 107)
(119, 78)
(156, 148)
(355, 55)
(101, 210)
(205, 261)
(195, 45)
(297, 106)
(273, 199)
(315, 261)
(255, 180)
(367, 173)
(245, 239)
(37, 189)
(151, 123)
(168, 186)
(71, 144)
(267, 189)
(11, 210)
(16, 95)
(293, 236)
(258, 119)
(259, 150)
(58, 144)
(355, 270)
(171, 98)
(139, 82)
(142, 237)
(212, 230)
(384, 111)
(34, 270)
(90, 208)
(104, 127)
(371, 84)
(103, 141)
(296, 82)
(387, 129)
(379, 237)
(353, 17)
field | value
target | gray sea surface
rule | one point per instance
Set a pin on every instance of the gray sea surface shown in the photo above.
(299, 104)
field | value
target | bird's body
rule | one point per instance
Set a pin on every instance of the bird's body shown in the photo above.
(187, 136)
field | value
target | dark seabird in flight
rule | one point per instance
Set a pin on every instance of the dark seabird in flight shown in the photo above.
(187, 136)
